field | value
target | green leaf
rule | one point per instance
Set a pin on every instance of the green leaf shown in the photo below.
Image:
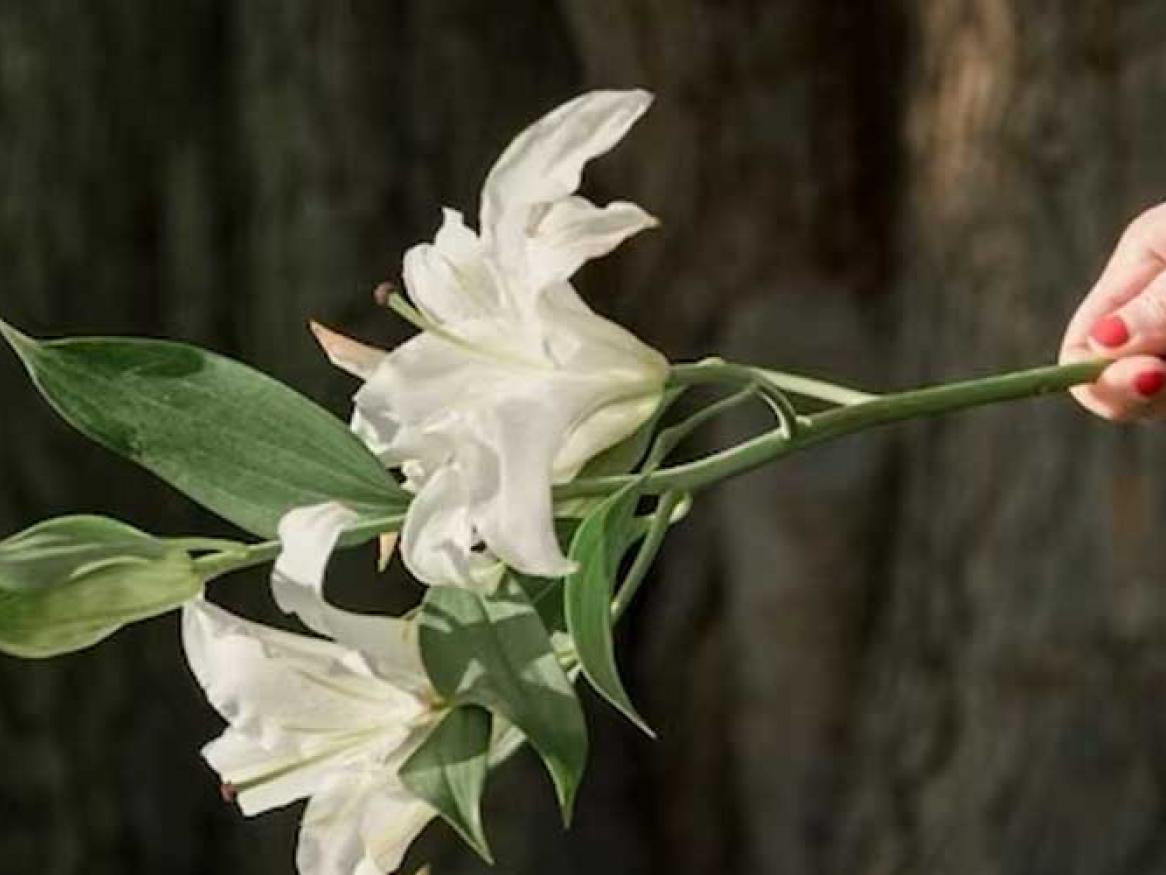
(599, 545)
(57, 550)
(449, 772)
(493, 651)
(546, 594)
(238, 442)
(69, 583)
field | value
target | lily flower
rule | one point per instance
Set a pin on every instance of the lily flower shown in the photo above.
(332, 721)
(514, 383)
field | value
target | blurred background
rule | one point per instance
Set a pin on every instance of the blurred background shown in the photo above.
(939, 648)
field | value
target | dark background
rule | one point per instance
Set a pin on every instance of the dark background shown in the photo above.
(934, 650)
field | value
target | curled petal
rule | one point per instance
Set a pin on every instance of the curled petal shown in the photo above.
(574, 231)
(515, 516)
(309, 535)
(544, 163)
(438, 542)
(450, 280)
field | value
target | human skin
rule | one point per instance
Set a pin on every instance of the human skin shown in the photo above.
(1123, 317)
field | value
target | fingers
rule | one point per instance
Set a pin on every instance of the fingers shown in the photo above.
(1124, 317)
(1128, 390)
(1119, 284)
(1137, 260)
(1138, 326)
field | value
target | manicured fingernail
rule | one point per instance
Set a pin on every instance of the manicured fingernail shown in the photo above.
(1149, 383)
(1110, 331)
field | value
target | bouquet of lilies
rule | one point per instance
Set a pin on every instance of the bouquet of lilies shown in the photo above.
(518, 446)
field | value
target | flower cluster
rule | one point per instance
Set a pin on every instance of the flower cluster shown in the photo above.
(513, 393)
(511, 387)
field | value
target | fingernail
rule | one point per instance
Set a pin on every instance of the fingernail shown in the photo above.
(1149, 383)
(1110, 331)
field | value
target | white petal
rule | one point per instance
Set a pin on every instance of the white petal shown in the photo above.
(581, 341)
(605, 428)
(347, 354)
(574, 231)
(309, 535)
(438, 541)
(360, 825)
(375, 422)
(524, 432)
(545, 162)
(450, 279)
(290, 692)
(426, 380)
(264, 779)
(377, 430)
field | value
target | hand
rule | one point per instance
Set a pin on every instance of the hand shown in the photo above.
(1124, 318)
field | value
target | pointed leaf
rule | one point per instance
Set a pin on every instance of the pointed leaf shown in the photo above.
(598, 547)
(493, 651)
(449, 772)
(238, 442)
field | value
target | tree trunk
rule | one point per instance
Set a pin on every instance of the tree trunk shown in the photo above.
(1010, 717)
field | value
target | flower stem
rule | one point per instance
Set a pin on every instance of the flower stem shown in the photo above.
(242, 556)
(637, 574)
(840, 421)
(857, 411)
(718, 371)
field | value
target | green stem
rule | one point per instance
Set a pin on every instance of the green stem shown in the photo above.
(670, 438)
(197, 544)
(661, 522)
(835, 423)
(249, 555)
(717, 371)
(859, 411)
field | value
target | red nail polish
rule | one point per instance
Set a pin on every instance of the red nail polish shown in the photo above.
(1110, 331)
(1149, 383)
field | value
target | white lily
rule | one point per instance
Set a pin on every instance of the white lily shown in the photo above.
(515, 383)
(329, 720)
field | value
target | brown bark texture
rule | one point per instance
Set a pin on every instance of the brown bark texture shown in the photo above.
(933, 650)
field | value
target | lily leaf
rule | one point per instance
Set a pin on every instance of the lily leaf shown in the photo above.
(233, 439)
(598, 547)
(449, 772)
(68, 583)
(493, 651)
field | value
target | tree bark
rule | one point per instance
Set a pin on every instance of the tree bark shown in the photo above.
(1010, 714)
